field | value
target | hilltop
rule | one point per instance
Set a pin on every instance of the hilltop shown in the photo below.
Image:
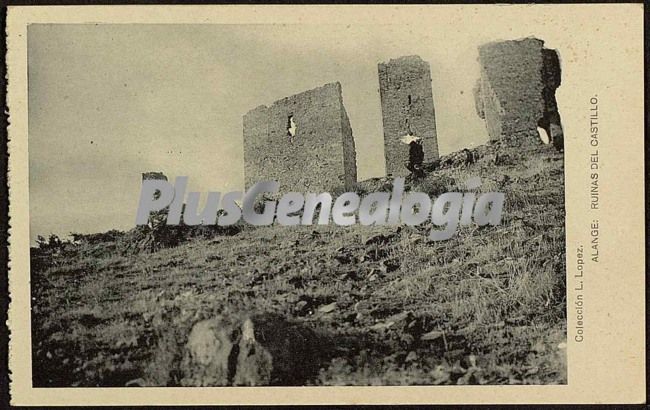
(385, 305)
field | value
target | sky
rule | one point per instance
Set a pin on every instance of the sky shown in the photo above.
(108, 102)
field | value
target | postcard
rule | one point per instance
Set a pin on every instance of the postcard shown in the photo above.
(326, 204)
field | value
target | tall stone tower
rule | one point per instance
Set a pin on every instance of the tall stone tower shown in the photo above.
(515, 94)
(406, 106)
(304, 142)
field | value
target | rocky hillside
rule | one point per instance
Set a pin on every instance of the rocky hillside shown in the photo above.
(324, 305)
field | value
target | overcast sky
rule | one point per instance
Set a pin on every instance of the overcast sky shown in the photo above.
(108, 102)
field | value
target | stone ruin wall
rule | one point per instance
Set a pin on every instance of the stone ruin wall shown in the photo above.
(156, 218)
(349, 151)
(406, 103)
(516, 91)
(320, 156)
(146, 176)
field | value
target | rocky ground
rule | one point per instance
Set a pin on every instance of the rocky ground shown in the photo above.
(327, 305)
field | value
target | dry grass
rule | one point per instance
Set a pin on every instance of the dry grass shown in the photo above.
(494, 297)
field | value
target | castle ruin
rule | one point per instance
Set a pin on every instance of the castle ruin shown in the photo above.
(407, 108)
(153, 176)
(156, 218)
(515, 94)
(304, 142)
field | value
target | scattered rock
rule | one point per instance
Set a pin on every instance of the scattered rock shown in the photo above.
(432, 335)
(382, 325)
(255, 350)
(457, 369)
(411, 357)
(401, 317)
(440, 374)
(538, 347)
(327, 308)
(140, 382)
(363, 308)
(275, 351)
(206, 357)
(254, 362)
(472, 360)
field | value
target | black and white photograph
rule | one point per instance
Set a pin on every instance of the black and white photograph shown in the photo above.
(115, 304)
(375, 204)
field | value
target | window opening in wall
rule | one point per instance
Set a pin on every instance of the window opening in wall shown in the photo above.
(291, 128)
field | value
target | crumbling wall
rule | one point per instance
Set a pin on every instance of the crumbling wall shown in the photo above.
(153, 175)
(154, 235)
(156, 218)
(319, 156)
(407, 106)
(516, 91)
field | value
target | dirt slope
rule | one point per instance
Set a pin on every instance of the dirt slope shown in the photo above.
(388, 307)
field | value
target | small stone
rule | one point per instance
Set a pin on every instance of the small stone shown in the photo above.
(432, 335)
(400, 317)
(273, 350)
(472, 360)
(254, 362)
(440, 374)
(411, 357)
(458, 369)
(327, 308)
(363, 307)
(539, 347)
(136, 383)
(205, 361)
(382, 325)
